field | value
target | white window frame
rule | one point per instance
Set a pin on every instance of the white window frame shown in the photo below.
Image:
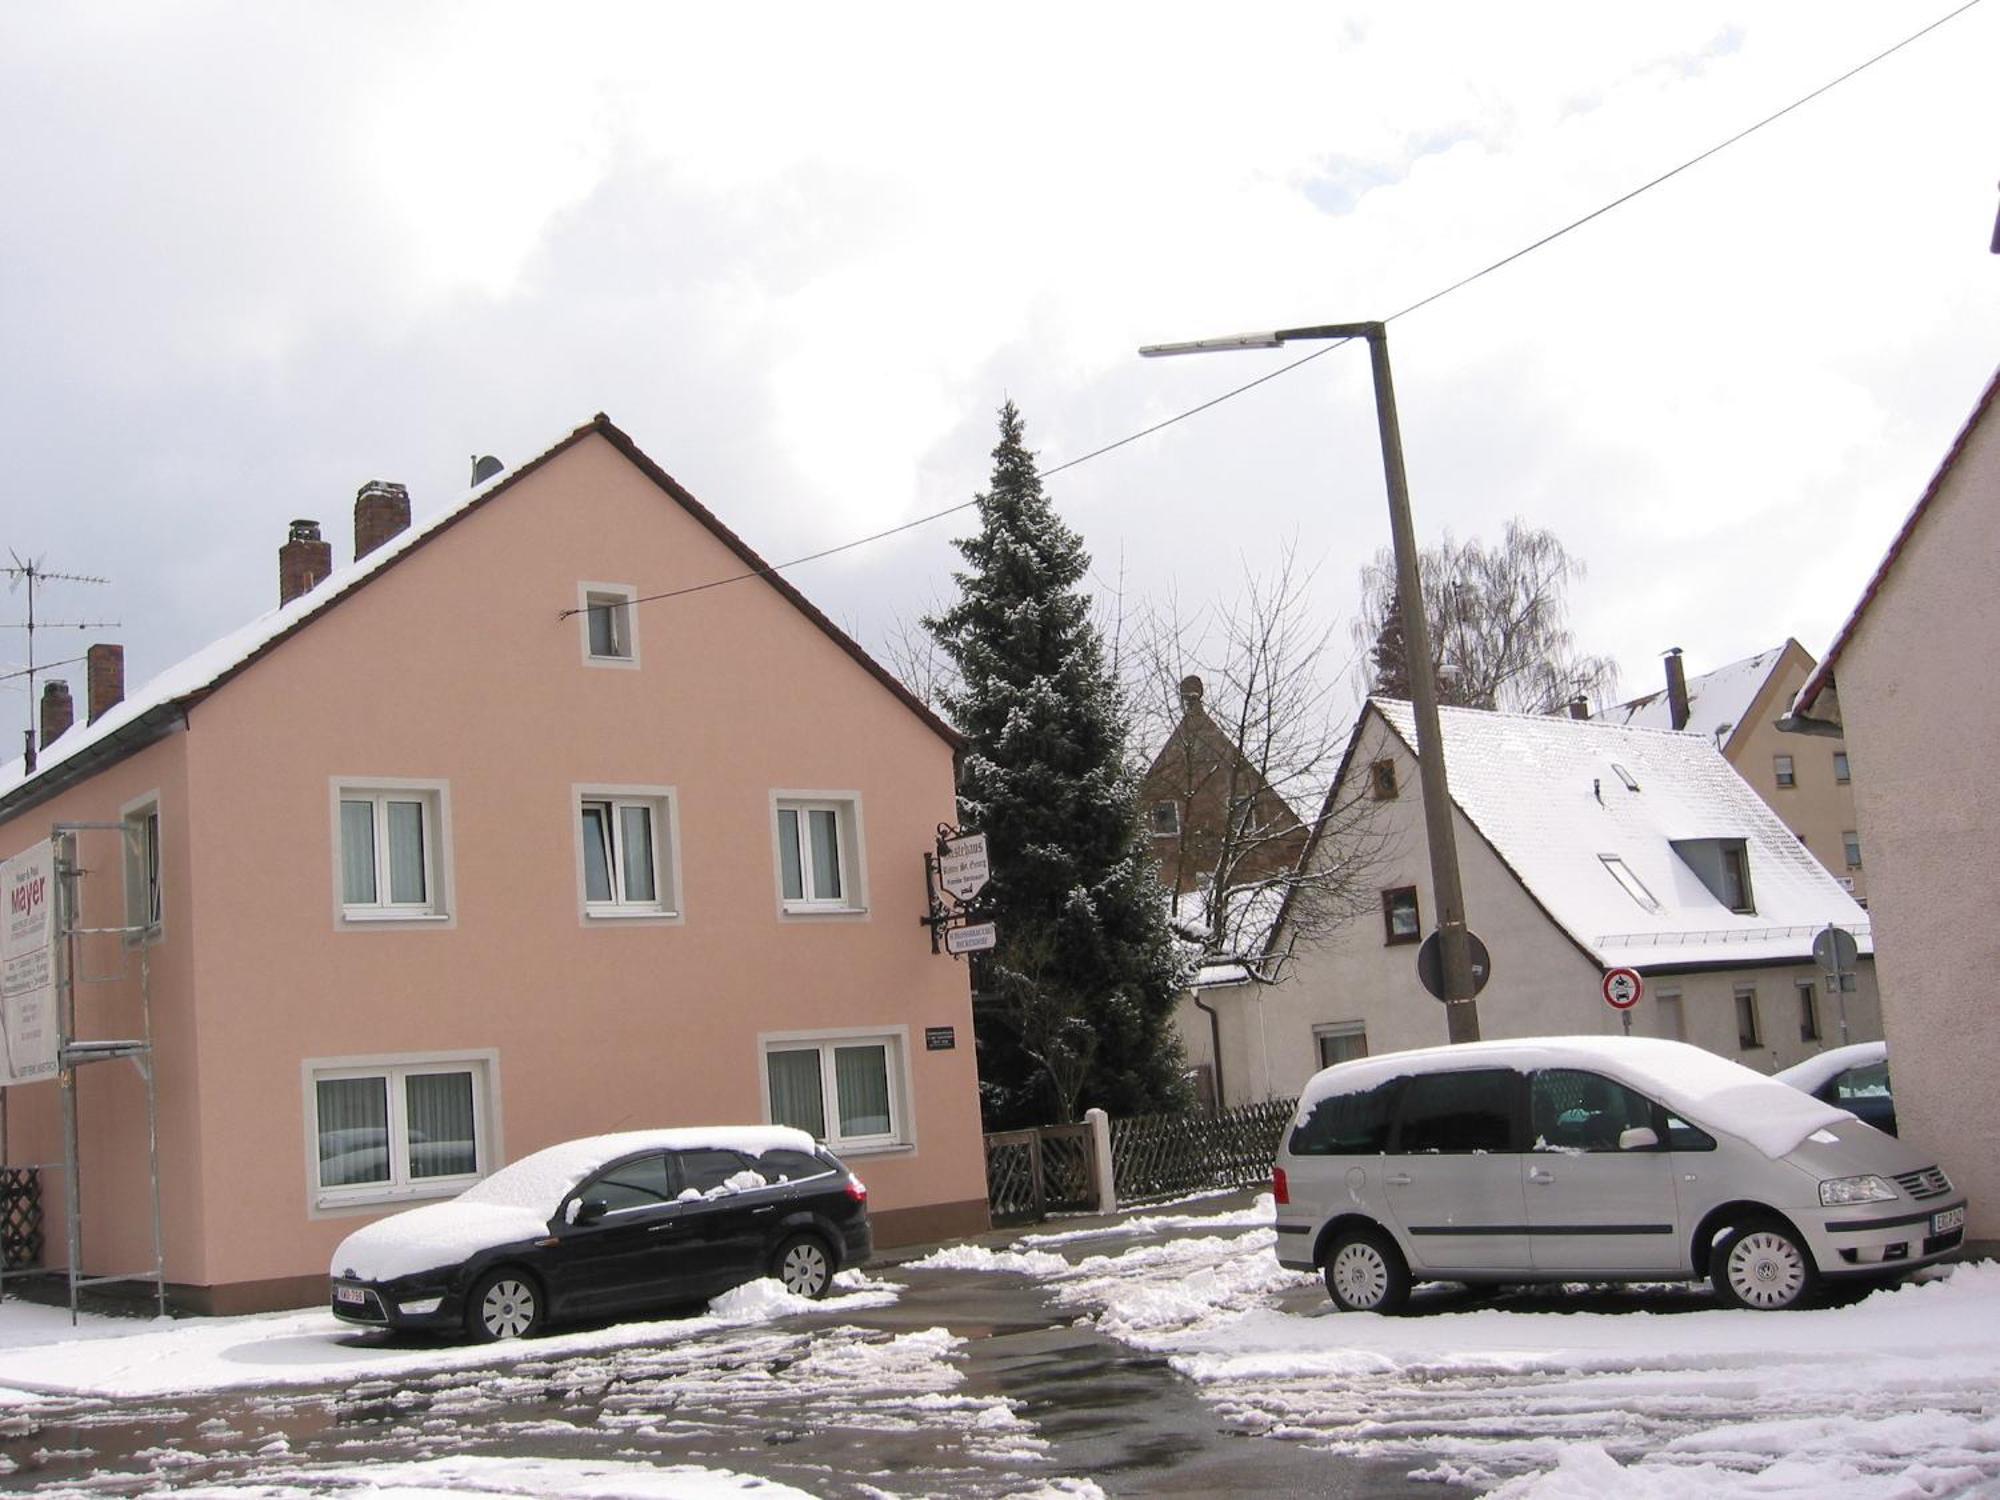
(1784, 771)
(622, 599)
(902, 1135)
(145, 888)
(1850, 848)
(846, 807)
(434, 796)
(484, 1066)
(662, 804)
(1672, 1015)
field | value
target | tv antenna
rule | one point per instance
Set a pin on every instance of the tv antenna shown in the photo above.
(34, 574)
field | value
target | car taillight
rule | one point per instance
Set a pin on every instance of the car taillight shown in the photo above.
(857, 1189)
(1280, 1189)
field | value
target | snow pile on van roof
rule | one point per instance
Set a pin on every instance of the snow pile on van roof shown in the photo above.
(1706, 1089)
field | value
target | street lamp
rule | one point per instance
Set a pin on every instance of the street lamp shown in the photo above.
(1454, 952)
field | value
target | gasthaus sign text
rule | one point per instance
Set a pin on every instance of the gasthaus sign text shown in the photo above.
(28, 1039)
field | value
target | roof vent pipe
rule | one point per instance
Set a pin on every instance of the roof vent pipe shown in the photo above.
(1677, 689)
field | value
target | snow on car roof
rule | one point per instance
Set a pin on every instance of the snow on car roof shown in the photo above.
(1708, 1090)
(537, 1181)
(1817, 1069)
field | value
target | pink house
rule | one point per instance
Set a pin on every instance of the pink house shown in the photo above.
(489, 840)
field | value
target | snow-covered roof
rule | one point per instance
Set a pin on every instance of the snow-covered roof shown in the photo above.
(1574, 807)
(192, 678)
(1717, 701)
(1705, 1088)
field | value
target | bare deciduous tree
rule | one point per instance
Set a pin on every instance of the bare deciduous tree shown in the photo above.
(1244, 707)
(1498, 620)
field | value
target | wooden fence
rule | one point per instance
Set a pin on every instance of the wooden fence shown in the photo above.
(1031, 1174)
(1156, 1156)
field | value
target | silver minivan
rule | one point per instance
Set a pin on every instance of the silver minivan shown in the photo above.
(1594, 1158)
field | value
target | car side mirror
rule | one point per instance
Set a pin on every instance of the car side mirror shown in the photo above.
(1638, 1138)
(579, 1212)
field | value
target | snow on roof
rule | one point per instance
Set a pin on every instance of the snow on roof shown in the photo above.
(1587, 814)
(1253, 913)
(1717, 701)
(207, 667)
(1693, 1082)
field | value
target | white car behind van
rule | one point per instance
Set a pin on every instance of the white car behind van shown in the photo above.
(1594, 1158)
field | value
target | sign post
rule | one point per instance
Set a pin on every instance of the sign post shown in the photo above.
(1836, 951)
(1622, 989)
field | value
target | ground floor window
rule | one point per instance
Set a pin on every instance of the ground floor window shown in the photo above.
(1340, 1041)
(845, 1090)
(1748, 1034)
(406, 1129)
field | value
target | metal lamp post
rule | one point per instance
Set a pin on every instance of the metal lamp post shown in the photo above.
(1461, 1011)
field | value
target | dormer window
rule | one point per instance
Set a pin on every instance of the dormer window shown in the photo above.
(1723, 865)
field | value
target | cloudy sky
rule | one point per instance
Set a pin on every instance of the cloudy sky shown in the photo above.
(255, 255)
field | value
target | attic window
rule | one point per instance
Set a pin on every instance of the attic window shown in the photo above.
(1723, 865)
(1634, 887)
(1382, 781)
(1625, 776)
(1166, 819)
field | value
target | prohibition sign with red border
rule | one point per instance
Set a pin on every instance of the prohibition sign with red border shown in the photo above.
(1622, 988)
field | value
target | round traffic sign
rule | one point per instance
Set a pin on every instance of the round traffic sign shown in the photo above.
(1622, 988)
(1430, 964)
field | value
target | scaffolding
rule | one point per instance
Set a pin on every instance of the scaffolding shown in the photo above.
(128, 942)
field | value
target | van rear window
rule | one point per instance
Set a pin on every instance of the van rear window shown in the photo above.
(1460, 1111)
(1349, 1124)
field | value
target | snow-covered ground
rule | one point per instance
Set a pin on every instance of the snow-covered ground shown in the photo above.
(1549, 1394)
(1896, 1395)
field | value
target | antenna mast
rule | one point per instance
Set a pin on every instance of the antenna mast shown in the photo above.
(36, 575)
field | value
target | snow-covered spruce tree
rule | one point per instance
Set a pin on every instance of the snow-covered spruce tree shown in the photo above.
(1075, 1003)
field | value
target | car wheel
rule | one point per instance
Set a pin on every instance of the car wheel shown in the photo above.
(804, 1265)
(1762, 1264)
(1367, 1273)
(505, 1304)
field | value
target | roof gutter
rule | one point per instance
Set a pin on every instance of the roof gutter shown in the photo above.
(148, 728)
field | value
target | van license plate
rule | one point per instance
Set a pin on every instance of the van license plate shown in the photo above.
(1949, 1219)
(355, 1295)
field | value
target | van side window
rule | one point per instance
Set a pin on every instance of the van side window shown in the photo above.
(1460, 1112)
(1571, 1110)
(1349, 1124)
(1682, 1136)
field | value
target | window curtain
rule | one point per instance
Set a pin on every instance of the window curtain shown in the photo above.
(353, 1131)
(825, 854)
(796, 1098)
(357, 853)
(635, 826)
(406, 852)
(861, 1076)
(442, 1143)
(789, 860)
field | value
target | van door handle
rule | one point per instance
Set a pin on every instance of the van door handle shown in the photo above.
(1398, 1179)
(1540, 1174)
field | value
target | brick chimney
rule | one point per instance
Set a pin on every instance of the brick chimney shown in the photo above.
(1677, 689)
(58, 712)
(1191, 691)
(381, 510)
(303, 562)
(1579, 708)
(105, 676)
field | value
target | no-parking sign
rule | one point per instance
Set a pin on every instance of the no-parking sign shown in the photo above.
(1622, 988)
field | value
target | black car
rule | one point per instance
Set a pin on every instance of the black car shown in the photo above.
(609, 1225)
(1856, 1078)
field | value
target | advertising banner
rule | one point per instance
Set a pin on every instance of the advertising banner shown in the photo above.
(28, 1032)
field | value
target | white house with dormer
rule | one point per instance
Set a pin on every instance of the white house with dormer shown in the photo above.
(1583, 846)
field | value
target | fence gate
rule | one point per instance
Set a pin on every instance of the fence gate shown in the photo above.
(1031, 1174)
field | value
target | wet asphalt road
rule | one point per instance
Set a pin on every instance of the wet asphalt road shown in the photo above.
(1086, 1407)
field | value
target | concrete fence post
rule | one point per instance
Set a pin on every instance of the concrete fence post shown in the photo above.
(1100, 1159)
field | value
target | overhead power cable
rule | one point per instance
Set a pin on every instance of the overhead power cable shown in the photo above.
(1328, 348)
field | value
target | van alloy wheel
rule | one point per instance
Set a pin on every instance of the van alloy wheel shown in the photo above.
(1762, 1265)
(1366, 1273)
